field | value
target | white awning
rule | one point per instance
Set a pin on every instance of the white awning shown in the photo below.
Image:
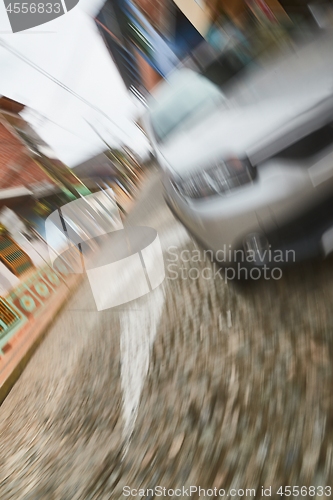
(16, 192)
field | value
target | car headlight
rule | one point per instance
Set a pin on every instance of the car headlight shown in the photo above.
(223, 177)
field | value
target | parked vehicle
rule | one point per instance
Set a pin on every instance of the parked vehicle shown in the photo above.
(249, 172)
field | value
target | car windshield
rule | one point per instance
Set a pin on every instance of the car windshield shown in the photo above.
(187, 98)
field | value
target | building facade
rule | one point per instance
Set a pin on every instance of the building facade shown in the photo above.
(17, 168)
(148, 39)
(32, 183)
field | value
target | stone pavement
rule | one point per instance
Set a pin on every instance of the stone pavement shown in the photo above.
(235, 391)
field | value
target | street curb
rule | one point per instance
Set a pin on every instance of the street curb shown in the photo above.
(33, 334)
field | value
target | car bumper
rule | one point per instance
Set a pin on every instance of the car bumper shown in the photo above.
(217, 227)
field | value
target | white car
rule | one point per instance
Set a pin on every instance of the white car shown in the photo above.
(249, 172)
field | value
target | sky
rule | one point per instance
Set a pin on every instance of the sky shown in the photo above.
(71, 50)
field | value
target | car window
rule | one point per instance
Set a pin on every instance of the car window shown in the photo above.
(192, 97)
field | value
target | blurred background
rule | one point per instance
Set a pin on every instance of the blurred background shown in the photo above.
(209, 121)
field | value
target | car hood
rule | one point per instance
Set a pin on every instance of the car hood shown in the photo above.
(256, 130)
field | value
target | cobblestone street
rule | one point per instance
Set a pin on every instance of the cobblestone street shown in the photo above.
(198, 383)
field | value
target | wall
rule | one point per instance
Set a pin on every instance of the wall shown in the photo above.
(16, 166)
(198, 14)
(156, 11)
